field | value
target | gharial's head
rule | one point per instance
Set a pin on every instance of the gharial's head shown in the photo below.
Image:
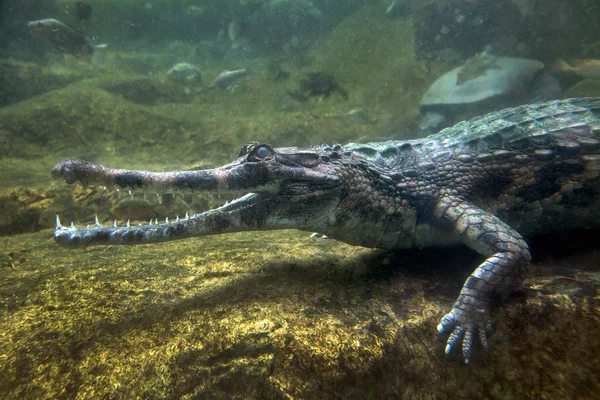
(284, 188)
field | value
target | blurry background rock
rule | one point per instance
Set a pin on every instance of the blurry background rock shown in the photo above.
(466, 27)
(284, 22)
(15, 38)
(482, 84)
(562, 29)
(21, 80)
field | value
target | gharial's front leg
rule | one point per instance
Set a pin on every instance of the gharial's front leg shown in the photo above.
(507, 258)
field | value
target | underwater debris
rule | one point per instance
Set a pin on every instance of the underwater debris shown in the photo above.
(319, 84)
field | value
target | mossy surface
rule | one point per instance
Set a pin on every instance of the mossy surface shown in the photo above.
(278, 315)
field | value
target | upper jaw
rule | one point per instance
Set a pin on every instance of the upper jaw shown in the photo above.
(236, 176)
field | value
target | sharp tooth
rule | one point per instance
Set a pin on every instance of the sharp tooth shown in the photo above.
(96, 220)
(177, 219)
(87, 227)
(129, 193)
(58, 225)
(150, 222)
(187, 215)
(115, 224)
(128, 225)
(156, 221)
(166, 220)
(72, 226)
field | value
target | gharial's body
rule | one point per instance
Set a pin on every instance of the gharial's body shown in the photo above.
(483, 183)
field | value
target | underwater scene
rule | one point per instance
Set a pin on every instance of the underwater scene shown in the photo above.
(299, 199)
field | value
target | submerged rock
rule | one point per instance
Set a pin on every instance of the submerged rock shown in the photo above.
(21, 80)
(282, 22)
(483, 84)
(145, 90)
(279, 315)
(585, 88)
(561, 29)
(466, 27)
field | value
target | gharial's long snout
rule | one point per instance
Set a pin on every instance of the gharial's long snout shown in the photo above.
(283, 189)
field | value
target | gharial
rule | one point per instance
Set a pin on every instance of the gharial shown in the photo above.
(484, 182)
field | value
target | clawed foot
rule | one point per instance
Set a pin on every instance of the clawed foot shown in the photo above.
(465, 326)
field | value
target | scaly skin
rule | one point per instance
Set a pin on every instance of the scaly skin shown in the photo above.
(526, 170)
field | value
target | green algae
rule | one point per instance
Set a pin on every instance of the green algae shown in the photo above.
(584, 88)
(21, 80)
(273, 315)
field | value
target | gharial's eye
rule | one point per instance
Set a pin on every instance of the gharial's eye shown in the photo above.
(261, 152)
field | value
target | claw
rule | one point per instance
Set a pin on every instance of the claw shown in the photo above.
(464, 328)
(446, 323)
(467, 343)
(454, 338)
(483, 340)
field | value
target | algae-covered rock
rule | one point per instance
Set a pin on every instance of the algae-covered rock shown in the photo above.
(139, 63)
(584, 88)
(558, 29)
(280, 23)
(467, 27)
(21, 209)
(21, 80)
(378, 69)
(84, 121)
(146, 90)
(280, 315)
(87, 122)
